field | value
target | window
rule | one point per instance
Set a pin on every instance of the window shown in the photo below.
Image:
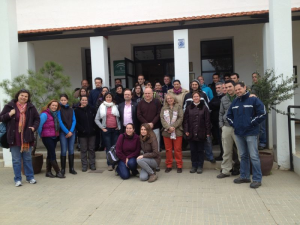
(216, 56)
(153, 52)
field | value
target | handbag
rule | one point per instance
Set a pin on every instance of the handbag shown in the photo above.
(3, 136)
(112, 154)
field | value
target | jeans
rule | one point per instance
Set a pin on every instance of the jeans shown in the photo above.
(124, 171)
(147, 165)
(247, 146)
(66, 144)
(110, 138)
(208, 149)
(262, 134)
(157, 134)
(50, 144)
(17, 158)
(197, 153)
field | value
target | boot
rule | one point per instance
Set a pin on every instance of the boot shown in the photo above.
(63, 160)
(57, 170)
(71, 164)
(48, 169)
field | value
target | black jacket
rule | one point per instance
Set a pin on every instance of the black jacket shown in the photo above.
(135, 120)
(32, 120)
(85, 121)
(214, 106)
(213, 88)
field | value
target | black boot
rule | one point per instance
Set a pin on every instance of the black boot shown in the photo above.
(57, 170)
(48, 169)
(63, 160)
(71, 164)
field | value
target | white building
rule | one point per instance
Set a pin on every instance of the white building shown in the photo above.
(88, 37)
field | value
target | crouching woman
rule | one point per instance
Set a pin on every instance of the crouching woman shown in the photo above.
(151, 157)
(128, 148)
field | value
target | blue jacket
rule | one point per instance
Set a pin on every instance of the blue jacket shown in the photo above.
(207, 91)
(93, 97)
(245, 114)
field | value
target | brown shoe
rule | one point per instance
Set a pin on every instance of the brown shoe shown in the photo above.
(152, 178)
(168, 170)
(179, 170)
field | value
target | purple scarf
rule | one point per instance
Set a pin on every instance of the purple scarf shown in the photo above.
(177, 92)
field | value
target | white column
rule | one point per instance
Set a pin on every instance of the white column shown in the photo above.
(8, 53)
(281, 52)
(26, 57)
(181, 57)
(99, 58)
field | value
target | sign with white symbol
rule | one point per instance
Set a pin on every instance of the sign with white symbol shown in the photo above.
(181, 43)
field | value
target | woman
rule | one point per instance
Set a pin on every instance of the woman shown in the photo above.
(82, 92)
(150, 159)
(197, 128)
(159, 91)
(178, 92)
(49, 131)
(119, 97)
(86, 131)
(128, 148)
(101, 97)
(67, 122)
(171, 117)
(110, 124)
(22, 119)
(137, 93)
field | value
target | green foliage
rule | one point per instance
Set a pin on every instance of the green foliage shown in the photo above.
(273, 90)
(44, 85)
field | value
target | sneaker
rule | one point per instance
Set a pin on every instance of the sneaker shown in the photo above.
(168, 170)
(109, 168)
(199, 170)
(222, 175)
(18, 184)
(152, 178)
(241, 180)
(179, 170)
(193, 170)
(255, 184)
(32, 181)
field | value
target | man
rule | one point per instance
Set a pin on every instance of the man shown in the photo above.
(214, 106)
(226, 77)
(235, 77)
(148, 111)
(84, 84)
(118, 81)
(245, 114)
(168, 85)
(216, 79)
(224, 89)
(141, 81)
(228, 138)
(128, 112)
(205, 88)
(95, 92)
(262, 128)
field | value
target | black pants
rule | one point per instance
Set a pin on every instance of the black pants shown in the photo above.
(50, 144)
(197, 153)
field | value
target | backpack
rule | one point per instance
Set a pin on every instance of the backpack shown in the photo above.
(3, 136)
(112, 154)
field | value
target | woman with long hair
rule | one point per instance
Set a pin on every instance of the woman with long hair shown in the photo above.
(101, 97)
(137, 93)
(107, 119)
(67, 123)
(49, 132)
(150, 159)
(22, 120)
(119, 97)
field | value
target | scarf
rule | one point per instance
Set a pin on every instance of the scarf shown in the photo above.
(231, 98)
(167, 118)
(177, 92)
(56, 122)
(103, 109)
(21, 126)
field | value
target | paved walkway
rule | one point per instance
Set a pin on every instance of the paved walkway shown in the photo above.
(102, 198)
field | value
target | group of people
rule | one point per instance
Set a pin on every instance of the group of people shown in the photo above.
(138, 123)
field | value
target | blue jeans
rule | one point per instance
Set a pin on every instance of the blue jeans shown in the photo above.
(50, 144)
(66, 144)
(197, 153)
(110, 138)
(124, 171)
(247, 146)
(17, 158)
(208, 149)
(262, 134)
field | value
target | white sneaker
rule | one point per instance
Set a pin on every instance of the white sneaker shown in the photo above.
(18, 184)
(32, 181)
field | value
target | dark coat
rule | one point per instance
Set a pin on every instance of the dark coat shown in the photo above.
(214, 106)
(196, 122)
(85, 121)
(32, 120)
(213, 88)
(150, 148)
(93, 97)
(135, 120)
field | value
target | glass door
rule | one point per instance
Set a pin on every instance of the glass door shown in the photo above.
(130, 73)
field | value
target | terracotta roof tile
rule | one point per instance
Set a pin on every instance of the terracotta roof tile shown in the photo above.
(203, 17)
